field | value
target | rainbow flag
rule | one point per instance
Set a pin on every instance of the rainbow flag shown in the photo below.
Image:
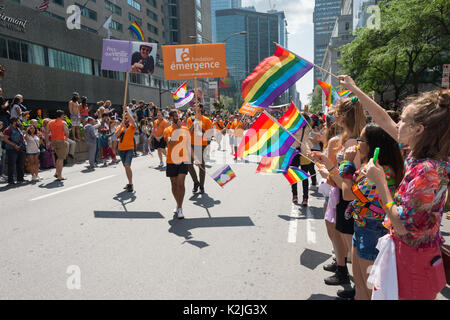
(295, 175)
(272, 77)
(181, 96)
(223, 175)
(137, 30)
(277, 164)
(330, 93)
(344, 93)
(267, 138)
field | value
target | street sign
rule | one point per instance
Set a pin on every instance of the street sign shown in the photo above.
(213, 84)
(445, 82)
(446, 70)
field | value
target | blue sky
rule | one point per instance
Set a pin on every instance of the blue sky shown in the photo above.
(299, 16)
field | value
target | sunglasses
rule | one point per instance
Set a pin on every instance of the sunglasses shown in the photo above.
(145, 50)
(360, 140)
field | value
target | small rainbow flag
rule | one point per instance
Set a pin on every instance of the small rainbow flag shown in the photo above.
(267, 138)
(295, 175)
(344, 93)
(181, 96)
(277, 164)
(137, 30)
(272, 77)
(330, 93)
(223, 175)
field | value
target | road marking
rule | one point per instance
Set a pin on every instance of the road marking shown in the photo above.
(292, 234)
(71, 188)
(310, 233)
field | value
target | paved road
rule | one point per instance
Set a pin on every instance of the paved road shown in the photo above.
(245, 241)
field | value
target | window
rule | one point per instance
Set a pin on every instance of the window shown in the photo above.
(88, 13)
(88, 29)
(113, 8)
(67, 61)
(32, 53)
(152, 15)
(199, 3)
(199, 14)
(152, 28)
(116, 26)
(54, 16)
(133, 18)
(152, 2)
(134, 4)
(60, 2)
(199, 26)
(14, 50)
(3, 50)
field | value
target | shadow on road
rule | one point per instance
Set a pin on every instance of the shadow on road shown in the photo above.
(311, 258)
(125, 198)
(315, 213)
(182, 228)
(128, 215)
(446, 292)
(52, 185)
(205, 201)
(321, 297)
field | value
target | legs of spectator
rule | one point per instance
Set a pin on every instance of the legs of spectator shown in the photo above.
(12, 159)
(92, 153)
(71, 146)
(2, 163)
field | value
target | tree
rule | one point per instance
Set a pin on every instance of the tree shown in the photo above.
(315, 100)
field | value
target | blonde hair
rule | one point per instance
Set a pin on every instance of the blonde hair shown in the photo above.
(354, 118)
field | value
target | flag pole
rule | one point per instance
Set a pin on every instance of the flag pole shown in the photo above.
(295, 138)
(315, 65)
(126, 89)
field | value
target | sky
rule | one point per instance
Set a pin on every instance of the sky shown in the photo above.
(299, 16)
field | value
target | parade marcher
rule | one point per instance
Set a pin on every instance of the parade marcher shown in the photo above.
(125, 134)
(200, 128)
(177, 138)
(75, 117)
(90, 134)
(219, 128)
(15, 146)
(415, 211)
(157, 137)
(59, 132)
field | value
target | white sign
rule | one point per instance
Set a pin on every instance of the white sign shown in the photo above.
(446, 70)
(445, 82)
(213, 84)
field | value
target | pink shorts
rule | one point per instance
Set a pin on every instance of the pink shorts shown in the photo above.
(420, 271)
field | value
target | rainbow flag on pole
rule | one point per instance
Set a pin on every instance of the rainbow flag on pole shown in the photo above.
(182, 96)
(295, 175)
(137, 30)
(344, 93)
(277, 164)
(330, 93)
(223, 175)
(267, 138)
(273, 76)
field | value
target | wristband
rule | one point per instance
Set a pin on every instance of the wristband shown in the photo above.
(390, 204)
(333, 174)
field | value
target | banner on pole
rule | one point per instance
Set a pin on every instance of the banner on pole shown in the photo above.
(248, 109)
(194, 61)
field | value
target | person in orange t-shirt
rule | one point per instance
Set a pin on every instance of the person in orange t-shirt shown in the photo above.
(238, 133)
(230, 132)
(159, 125)
(219, 128)
(177, 138)
(125, 134)
(201, 132)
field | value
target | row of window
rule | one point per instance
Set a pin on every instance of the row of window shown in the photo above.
(36, 54)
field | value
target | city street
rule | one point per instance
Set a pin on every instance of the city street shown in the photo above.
(243, 241)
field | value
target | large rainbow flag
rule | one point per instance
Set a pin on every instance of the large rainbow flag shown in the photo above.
(277, 164)
(295, 175)
(273, 76)
(182, 96)
(330, 93)
(266, 138)
(137, 30)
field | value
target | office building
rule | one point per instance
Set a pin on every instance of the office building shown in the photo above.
(221, 5)
(324, 18)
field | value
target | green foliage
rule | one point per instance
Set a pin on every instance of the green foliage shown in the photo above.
(315, 100)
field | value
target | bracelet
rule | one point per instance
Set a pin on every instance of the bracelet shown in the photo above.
(390, 204)
(333, 174)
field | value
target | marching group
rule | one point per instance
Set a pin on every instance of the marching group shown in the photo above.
(403, 193)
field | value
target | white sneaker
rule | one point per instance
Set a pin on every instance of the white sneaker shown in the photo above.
(313, 188)
(180, 214)
(34, 178)
(175, 211)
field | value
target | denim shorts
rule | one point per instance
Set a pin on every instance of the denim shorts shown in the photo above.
(365, 239)
(126, 156)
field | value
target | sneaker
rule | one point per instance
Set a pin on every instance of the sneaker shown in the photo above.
(161, 165)
(202, 190)
(295, 199)
(180, 214)
(331, 267)
(346, 293)
(129, 188)
(313, 188)
(195, 189)
(126, 186)
(339, 278)
(175, 211)
(305, 202)
(34, 178)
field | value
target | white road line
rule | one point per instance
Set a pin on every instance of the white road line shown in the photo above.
(292, 234)
(310, 230)
(71, 188)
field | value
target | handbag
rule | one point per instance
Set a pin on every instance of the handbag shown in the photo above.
(446, 261)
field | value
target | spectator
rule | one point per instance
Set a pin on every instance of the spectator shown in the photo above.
(90, 134)
(16, 110)
(33, 142)
(75, 117)
(15, 151)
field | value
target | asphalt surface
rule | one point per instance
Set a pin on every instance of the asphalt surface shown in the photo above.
(86, 238)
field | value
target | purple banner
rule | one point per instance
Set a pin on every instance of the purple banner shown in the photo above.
(116, 55)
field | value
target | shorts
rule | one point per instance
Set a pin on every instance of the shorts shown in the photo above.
(417, 278)
(365, 239)
(325, 199)
(173, 170)
(343, 225)
(60, 148)
(161, 144)
(83, 118)
(126, 156)
(32, 154)
(75, 119)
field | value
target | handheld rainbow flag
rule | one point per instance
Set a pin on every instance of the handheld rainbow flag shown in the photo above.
(223, 175)
(267, 138)
(137, 30)
(182, 96)
(344, 93)
(330, 93)
(273, 76)
(277, 164)
(295, 175)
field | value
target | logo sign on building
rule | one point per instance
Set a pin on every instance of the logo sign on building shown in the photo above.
(127, 56)
(194, 61)
(12, 23)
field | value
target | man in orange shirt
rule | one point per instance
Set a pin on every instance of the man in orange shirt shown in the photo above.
(159, 125)
(200, 128)
(125, 134)
(177, 138)
(238, 133)
(59, 132)
(219, 127)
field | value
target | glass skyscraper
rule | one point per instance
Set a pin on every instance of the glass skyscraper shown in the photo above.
(324, 18)
(220, 5)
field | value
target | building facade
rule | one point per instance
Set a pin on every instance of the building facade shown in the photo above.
(46, 61)
(324, 18)
(221, 5)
